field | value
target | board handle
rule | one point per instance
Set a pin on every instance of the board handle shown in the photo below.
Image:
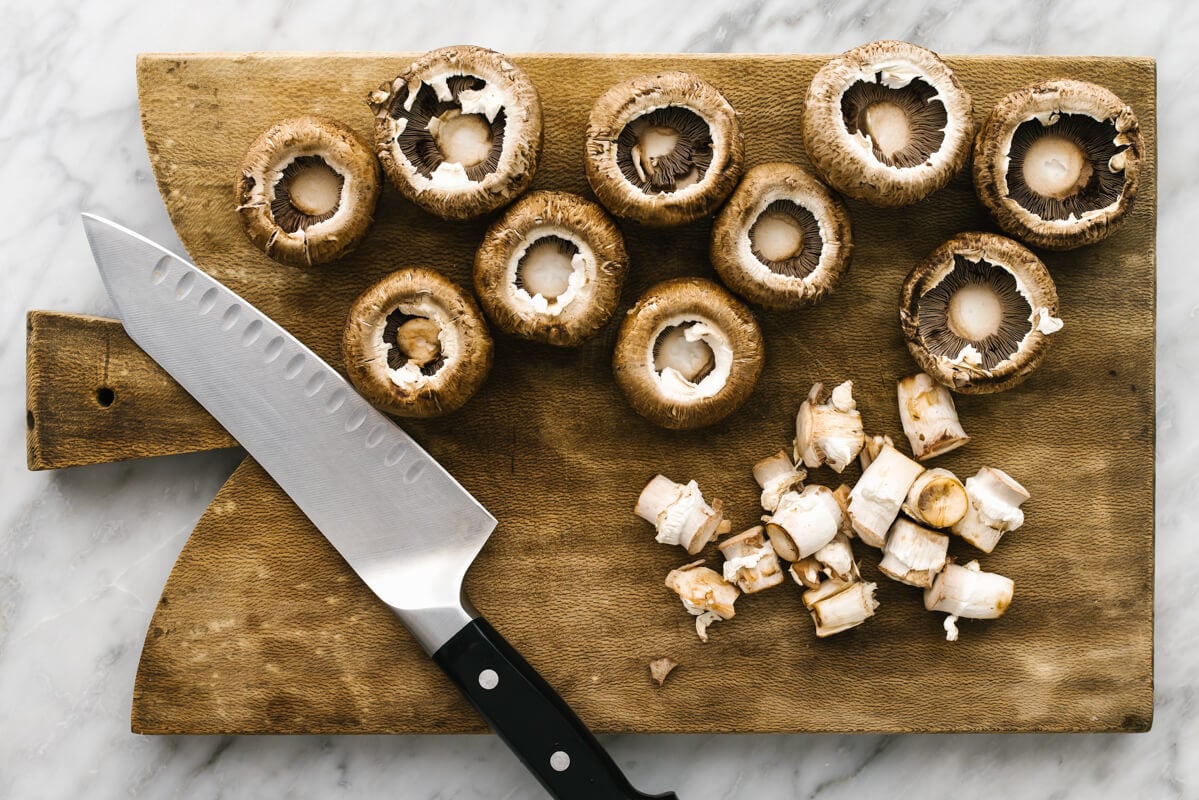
(531, 718)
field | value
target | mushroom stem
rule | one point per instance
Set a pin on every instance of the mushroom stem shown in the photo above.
(994, 508)
(419, 340)
(828, 433)
(705, 594)
(929, 417)
(804, 522)
(875, 500)
(913, 554)
(837, 559)
(750, 561)
(777, 476)
(840, 606)
(679, 513)
(937, 499)
(967, 591)
(873, 446)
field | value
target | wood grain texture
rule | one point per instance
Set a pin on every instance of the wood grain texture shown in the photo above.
(262, 628)
(93, 396)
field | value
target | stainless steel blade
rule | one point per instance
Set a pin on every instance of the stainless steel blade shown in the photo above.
(402, 522)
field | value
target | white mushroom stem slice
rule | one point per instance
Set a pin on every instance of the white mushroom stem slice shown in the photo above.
(836, 559)
(808, 572)
(750, 561)
(679, 513)
(777, 476)
(702, 590)
(995, 499)
(968, 592)
(875, 500)
(937, 499)
(913, 554)
(840, 606)
(929, 417)
(870, 451)
(828, 433)
(804, 522)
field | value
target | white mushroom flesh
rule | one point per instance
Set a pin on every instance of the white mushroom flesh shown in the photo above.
(703, 590)
(678, 512)
(967, 591)
(913, 554)
(829, 433)
(544, 281)
(929, 417)
(875, 500)
(750, 562)
(701, 350)
(845, 609)
(810, 518)
(462, 138)
(449, 343)
(937, 499)
(777, 476)
(995, 499)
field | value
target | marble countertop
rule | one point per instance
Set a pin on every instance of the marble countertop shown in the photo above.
(84, 552)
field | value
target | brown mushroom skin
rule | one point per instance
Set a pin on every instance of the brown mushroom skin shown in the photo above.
(587, 314)
(626, 101)
(1028, 269)
(326, 241)
(990, 156)
(849, 168)
(742, 275)
(366, 365)
(633, 367)
(522, 137)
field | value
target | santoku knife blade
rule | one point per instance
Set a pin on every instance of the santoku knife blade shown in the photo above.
(403, 524)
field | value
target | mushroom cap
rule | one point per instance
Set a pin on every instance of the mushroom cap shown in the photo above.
(262, 169)
(731, 247)
(601, 263)
(465, 345)
(845, 160)
(675, 302)
(637, 97)
(507, 89)
(1033, 282)
(1047, 101)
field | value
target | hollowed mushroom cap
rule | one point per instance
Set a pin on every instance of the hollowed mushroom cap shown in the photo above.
(664, 149)
(459, 131)
(977, 314)
(887, 123)
(688, 354)
(783, 239)
(551, 269)
(306, 190)
(1058, 164)
(416, 345)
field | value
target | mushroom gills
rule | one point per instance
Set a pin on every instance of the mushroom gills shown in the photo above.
(666, 150)
(904, 126)
(547, 268)
(1067, 168)
(979, 306)
(439, 132)
(786, 239)
(308, 192)
(413, 339)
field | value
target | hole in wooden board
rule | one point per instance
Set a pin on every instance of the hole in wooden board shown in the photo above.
(29, 419)
(105, 396)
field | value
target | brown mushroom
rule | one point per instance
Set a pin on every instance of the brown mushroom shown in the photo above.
(978, 312)
(688, 354)
(416, 345)
(887, 123)
(306, 190)
(1058, 164)
(783, 239)
(663, 149)
(459, 131)
(551, 269)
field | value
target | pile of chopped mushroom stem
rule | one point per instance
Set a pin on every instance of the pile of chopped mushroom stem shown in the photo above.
(898, 506)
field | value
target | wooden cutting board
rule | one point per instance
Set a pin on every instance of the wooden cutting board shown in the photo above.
(262, 628)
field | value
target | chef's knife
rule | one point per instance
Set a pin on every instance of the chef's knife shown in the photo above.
(403, 524)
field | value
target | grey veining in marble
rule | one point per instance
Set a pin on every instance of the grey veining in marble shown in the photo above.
(84, 553)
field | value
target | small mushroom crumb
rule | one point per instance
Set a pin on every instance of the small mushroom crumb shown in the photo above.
(804, 522)
(705, 594)
(751, 562)
(994, 508)
(929, 417)
(679, 513)
(829, 433)
(875, 500)
(967, 591)
(777, 476)
(659, 668)
(913, 554)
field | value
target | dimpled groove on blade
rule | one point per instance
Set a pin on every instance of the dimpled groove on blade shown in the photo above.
(397, 517)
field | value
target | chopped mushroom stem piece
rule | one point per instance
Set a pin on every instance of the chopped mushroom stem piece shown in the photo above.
(807, 572)
(937, 499)
(970, 593)
(929, 417)
(777, 476)
(828, 433)
(873, 446)
(875, 500)
(660, 668)
(840, 606)
(679, 513)
(912, 554)
(750, 561)
(705, 594)
(804, 522)
(837, 559)
(995, 499)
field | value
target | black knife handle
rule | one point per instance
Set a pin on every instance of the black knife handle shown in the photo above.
(531, 718)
